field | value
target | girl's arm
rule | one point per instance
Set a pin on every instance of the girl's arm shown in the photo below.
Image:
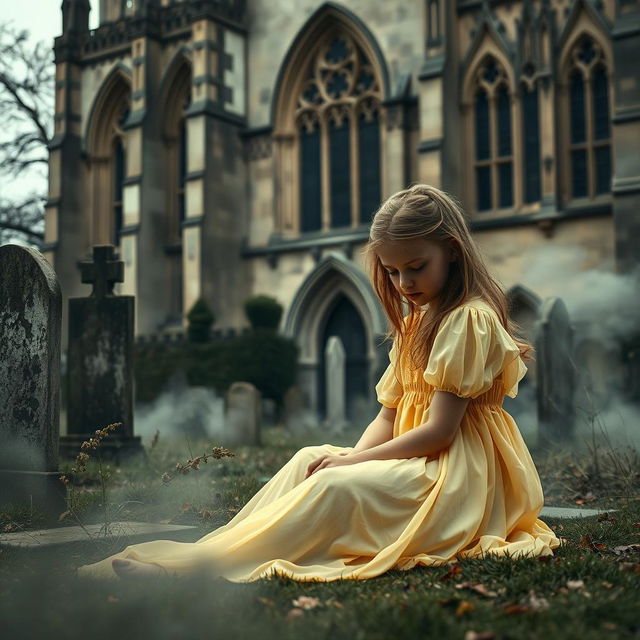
(445, 414)
(379, 431)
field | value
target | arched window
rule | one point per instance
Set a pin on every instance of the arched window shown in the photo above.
(493, 165)
(338, 134)
(589, 121)
(530, 143)
(118, 174)
(175, 98)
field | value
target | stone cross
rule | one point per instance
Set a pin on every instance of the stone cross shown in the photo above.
(103, 272)
(30, 320)
(100, 361)
(335, 359)
(555, 374)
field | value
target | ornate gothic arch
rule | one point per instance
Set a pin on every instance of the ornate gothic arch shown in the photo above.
(585, 104)
(105, 147)
(326, 116)
(333, 276)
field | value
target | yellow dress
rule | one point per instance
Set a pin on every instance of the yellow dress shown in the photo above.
(480, 496)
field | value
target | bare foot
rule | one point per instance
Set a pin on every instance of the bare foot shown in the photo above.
(135, 569)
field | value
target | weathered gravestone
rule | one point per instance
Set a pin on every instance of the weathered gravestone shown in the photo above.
(293, 409)
(243, 412)
(555, 374)
(100, 361)
(30, 318)
(335, 360)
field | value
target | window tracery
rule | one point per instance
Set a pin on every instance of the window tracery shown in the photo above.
(589, 129)
(337, 118)
(493, 164)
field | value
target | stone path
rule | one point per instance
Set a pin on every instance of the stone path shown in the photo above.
(568, 512)
(129, 532)
(133, 532)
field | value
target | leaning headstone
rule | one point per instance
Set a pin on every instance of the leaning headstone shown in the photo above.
(335, 362)
(243, 411)
(30, 317)
(555, 374)
(100, 361)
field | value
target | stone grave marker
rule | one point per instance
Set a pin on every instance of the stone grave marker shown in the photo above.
(100, 360)
(243, 412)
(335, 364)
(294, 408)
(555, 374)
(30, 321)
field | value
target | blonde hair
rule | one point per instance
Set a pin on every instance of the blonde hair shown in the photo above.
(425, 212)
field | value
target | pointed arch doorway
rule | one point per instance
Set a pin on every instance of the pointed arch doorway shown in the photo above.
(343, 320)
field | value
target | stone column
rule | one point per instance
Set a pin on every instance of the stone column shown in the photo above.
(215, 186)
(65, 231)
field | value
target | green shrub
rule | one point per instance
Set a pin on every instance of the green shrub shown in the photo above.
(267, 360)
(153, 366)
(200, 319)
(263, 312)
(260, 356)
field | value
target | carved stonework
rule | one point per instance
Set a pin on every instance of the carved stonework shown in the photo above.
(258, 148)
(340, 81)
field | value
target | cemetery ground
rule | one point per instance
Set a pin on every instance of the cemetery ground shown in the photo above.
(587, 589)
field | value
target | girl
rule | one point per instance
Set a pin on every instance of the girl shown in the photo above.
(442, 472)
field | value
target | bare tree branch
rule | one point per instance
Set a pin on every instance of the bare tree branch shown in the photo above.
(26, 113)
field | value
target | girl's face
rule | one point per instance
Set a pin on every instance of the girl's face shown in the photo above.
(418, 269)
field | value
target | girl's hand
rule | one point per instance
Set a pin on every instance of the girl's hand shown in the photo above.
(329, 460)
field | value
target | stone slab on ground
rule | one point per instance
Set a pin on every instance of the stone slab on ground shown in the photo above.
(133, 532)
(569, 512)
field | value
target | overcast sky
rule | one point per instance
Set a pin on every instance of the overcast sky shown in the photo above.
(43, 19)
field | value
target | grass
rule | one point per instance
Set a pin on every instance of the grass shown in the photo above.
(588, 589)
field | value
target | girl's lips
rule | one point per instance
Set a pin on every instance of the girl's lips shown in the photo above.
(413, 295)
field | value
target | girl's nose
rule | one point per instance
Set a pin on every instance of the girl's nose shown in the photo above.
(405, 283)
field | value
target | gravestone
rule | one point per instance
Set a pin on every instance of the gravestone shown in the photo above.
(555, 374)
(30, 319)
(335, 363)
(243, 411)
(100, 361)
(294, 408)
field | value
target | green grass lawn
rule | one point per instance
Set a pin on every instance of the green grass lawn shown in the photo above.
(588, 589)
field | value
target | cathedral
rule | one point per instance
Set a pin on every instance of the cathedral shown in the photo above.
(229, 148)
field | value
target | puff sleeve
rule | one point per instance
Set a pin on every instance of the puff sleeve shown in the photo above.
(389, 389)
(470, 350)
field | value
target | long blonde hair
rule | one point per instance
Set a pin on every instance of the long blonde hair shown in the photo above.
(425, 212)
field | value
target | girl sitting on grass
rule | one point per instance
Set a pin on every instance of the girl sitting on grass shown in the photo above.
(442, 473)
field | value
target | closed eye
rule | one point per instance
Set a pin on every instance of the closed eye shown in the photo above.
(393, 273)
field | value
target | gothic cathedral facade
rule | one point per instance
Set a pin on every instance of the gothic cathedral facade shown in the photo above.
(230, 148)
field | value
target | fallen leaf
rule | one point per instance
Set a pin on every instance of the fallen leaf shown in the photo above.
(478, 588)
(463, 607)
(515, 608)
(484, 635)
(306, 602)
(575, 584)
(453, 571)
(293, 614)
(605, 517)
(626, 548)
(537, 603)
